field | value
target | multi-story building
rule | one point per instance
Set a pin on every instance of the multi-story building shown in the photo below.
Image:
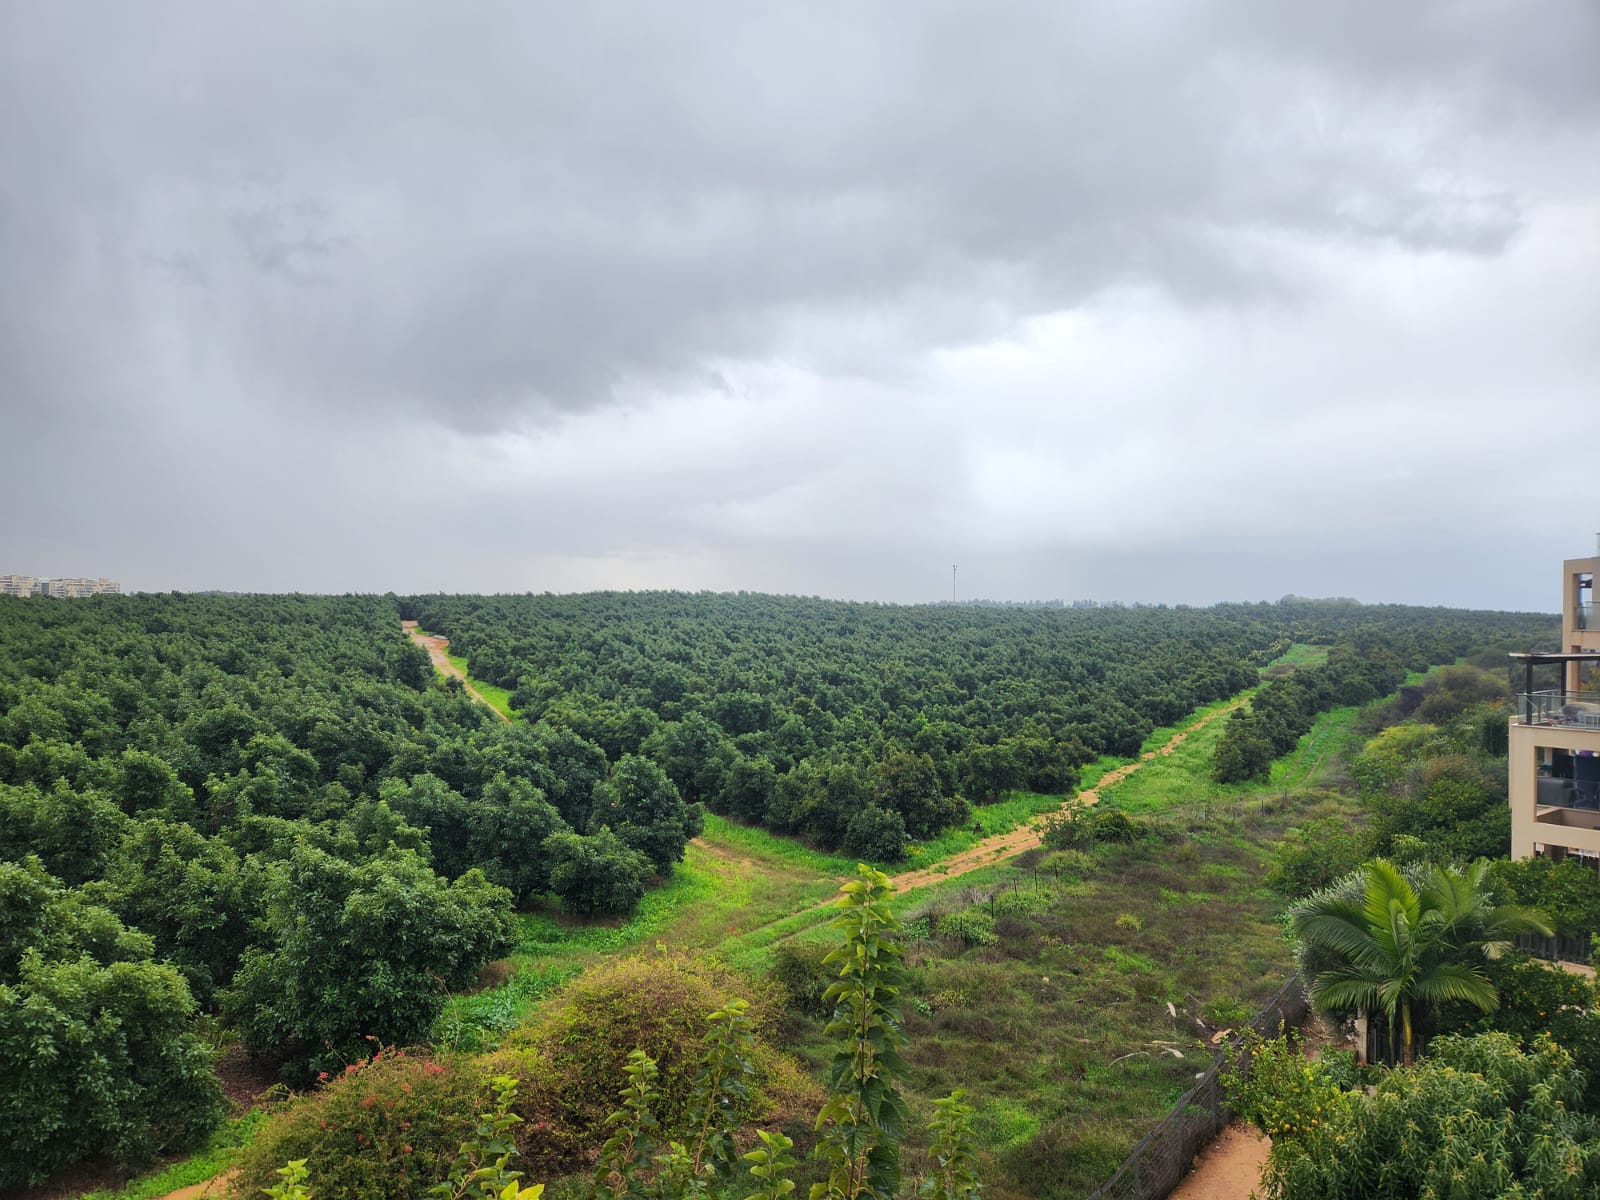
(1555, 732)
(78, 588)
(18, 585)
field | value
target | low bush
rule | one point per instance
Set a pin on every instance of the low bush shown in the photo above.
(1022, 902)
(383, 1128)
(797, 968)
(973, 926)
(1282, 1094)
(1479, 1117)
(1080, 828)
(1538, 998)
(657, 1004)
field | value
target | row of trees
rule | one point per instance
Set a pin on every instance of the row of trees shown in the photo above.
(1284, 708)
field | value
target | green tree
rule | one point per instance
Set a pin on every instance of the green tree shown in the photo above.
(359, 950)
(95, 1043)
(512, 821)
(1392, 947)
(989, 772)
(597, 873)
(908, 784)
(191, 893)
(75, 834)
(643, 808)
(876, 834)
(862, 1122)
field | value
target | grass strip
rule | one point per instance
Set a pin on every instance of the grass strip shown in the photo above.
(206, 1163)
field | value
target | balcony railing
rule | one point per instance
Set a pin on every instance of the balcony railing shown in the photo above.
(1580, 794)
(1588, 617)
(1578, 710)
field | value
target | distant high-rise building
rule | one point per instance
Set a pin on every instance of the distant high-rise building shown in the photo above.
(79, 587)
(18, 585)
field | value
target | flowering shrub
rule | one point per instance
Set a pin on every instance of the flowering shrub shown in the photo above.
(388, 1125)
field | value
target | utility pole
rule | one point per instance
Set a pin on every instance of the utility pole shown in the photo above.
(953, 583)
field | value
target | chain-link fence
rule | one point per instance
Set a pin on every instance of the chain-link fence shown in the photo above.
(1162, 1157)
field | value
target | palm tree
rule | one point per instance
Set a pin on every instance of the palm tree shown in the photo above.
(1389, 946)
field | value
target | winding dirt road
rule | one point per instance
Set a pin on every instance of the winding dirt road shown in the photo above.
(434, 645)
(1004, 845)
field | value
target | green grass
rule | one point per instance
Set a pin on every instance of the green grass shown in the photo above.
(552, 949)
(1301, 654)
(1183, 778)
(215, 1158)
(1330, 743)
(742, 888)
(497, 698)
(770, 849)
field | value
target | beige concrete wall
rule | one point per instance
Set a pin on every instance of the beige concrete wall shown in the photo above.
(1525, 755)
(1573, 638)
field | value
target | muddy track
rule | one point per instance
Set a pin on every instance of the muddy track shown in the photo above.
(435, 647)
(1003, 846)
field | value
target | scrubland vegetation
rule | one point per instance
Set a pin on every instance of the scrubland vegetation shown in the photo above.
(261, 824)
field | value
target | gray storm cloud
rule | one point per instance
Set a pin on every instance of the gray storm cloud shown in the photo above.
(788, 296)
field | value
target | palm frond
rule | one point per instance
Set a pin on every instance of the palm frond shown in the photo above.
(1456, 981)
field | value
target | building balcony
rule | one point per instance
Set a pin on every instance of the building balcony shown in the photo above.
(1586, 617)
(1559, 707)
(1554, 798)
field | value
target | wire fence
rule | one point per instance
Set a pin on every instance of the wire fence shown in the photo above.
(1161, 1158)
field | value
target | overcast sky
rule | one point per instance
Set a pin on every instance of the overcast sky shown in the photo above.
(1158, 301)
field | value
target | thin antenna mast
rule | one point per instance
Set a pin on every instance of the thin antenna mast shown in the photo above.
(953, 599)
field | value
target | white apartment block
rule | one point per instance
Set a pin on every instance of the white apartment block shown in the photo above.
(61, 589)
(78, 588)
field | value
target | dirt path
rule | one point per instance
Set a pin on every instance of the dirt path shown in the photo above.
(1005, 845)
(216, 1186)
(1229, 1168)
(435, 645)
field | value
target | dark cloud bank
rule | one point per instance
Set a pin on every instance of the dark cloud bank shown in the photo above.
(1172, 302)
